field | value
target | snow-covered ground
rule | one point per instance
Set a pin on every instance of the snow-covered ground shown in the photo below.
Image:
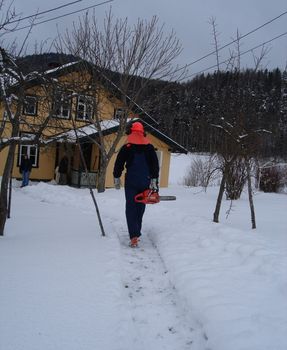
(192, 284)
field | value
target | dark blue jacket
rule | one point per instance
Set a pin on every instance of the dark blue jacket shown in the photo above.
(26, 165)
(140, 161)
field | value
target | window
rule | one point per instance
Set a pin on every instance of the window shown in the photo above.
(119, 113)
(30, 105)
(85, 107)
(62, 105)
(30, 150)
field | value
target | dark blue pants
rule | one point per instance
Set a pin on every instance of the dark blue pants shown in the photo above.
(25, 178)
(137, 180)
(134, 210)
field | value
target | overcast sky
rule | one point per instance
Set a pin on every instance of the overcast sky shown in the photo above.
(190, 21)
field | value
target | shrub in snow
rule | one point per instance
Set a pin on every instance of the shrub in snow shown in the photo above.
(271, 179)
(235, 179)
(202, 172)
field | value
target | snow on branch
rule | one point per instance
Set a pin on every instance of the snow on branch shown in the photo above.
(263, 131)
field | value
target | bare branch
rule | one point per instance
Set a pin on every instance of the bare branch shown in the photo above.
(215, 35)
(262, 55)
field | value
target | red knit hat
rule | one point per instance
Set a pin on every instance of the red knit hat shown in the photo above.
(137, 126)
(137, 135)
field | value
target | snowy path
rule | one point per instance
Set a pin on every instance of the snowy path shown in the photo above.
(158, 320)
(191, 284)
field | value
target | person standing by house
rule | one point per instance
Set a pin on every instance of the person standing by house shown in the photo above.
(63, 170)
(25, 169)
(142, 171)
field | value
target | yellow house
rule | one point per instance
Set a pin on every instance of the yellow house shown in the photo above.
(74, 111)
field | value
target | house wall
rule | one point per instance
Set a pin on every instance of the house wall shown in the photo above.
(164, 161)
(46, 165)
(50, 156)
(47, 156)
(109, 177)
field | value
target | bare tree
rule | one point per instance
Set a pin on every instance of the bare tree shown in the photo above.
(17, 127)
(235, 178)
(8, 72)
(202, 172)
(258, 59)
(238, 142)
(8, 16)
(125, 59)
(215, 35)
(13, 84)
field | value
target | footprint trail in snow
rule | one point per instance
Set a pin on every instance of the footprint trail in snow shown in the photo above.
(159, 322)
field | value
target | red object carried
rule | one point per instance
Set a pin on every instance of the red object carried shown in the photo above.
(147, 197)
(150, 196)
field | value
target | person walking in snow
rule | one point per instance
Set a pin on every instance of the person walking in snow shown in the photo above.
(25, 169)
(142, 171)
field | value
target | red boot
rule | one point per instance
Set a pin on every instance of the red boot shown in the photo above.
(134, 242)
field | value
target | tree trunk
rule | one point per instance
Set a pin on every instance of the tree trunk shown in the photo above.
(250, 196)
(219, 199)
(101, 185)
(4, 188)
(235, 179)
(257, 177)
(90, 188)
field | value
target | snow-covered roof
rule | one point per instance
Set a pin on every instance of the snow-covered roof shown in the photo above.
(63, 66)
(84, 131)
(110, 126)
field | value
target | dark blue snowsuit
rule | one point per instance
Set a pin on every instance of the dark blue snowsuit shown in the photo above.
(142, 165)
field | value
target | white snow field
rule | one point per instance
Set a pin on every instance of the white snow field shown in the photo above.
(191, 284)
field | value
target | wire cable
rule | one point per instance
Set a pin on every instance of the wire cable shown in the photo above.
(64, 15)
(42, 12)
(233, 41)
(241, 54)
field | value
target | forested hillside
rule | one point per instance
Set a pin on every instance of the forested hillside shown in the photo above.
(189, 112)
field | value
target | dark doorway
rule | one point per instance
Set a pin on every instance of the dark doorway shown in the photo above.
(87, 153)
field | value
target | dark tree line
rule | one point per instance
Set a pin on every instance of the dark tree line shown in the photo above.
(187, 111)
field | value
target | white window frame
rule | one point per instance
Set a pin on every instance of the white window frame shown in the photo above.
(60, 106)
(27, 151)
(87, 102)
